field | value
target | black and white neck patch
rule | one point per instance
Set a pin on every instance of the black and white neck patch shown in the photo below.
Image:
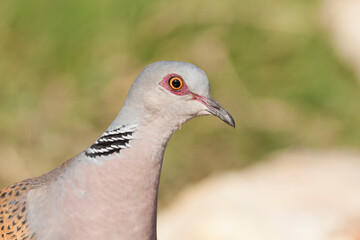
(111, 142)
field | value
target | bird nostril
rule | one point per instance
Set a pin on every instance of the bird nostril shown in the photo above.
(200, 99)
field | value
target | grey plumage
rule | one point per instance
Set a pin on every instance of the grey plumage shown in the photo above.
(109, 191)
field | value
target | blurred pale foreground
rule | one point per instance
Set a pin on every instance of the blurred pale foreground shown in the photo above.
(296, 195)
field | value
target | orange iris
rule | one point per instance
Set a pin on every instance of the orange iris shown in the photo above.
(176, 83)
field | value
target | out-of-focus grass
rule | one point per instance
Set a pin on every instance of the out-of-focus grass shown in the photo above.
(66, 66)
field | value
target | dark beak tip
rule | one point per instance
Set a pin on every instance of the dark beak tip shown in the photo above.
(217, 110)
(231, 122)
(226, 117)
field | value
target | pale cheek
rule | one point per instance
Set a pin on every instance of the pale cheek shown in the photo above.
(203, 113)
(154, 104)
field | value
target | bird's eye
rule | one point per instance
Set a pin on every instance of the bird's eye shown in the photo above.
(176, 83)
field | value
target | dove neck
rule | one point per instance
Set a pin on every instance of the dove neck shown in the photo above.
(122, 192)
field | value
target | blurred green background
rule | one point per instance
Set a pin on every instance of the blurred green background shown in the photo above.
(66, 67)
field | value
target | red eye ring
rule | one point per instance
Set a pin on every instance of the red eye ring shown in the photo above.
(176, 83)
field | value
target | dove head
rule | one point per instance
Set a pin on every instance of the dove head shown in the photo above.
(174, 91)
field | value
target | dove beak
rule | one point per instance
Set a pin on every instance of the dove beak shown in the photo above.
(216, 109)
